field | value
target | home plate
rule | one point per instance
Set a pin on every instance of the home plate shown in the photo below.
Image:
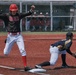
(37, 70)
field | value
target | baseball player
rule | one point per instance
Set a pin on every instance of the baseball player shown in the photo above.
(12, 23)
(57, 48)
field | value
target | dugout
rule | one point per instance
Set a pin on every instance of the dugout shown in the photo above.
(50, 15)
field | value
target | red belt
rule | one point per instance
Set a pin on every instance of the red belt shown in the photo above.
(17, 33)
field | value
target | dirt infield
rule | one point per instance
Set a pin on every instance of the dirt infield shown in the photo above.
(37, 48)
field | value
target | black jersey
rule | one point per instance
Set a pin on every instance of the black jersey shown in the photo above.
(12, 23)
(66, 44)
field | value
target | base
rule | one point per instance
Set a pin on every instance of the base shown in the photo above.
(37, 70)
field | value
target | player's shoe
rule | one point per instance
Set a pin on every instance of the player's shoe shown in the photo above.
(65, 66)
(27, 68)
(38, 66)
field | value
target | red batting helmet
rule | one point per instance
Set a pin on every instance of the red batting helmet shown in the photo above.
(13, 7)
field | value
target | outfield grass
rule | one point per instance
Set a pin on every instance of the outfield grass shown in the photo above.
(41, 33)
(44, 33)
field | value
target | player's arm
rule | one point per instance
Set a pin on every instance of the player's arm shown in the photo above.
(68, 49)
(22, 15)
(3, 16)
(73, 54)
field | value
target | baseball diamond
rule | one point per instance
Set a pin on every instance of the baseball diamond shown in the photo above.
(37, 51)
(37, 37)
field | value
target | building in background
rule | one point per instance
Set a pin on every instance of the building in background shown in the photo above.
(60, 13)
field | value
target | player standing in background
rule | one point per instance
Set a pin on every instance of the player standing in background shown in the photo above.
(57, 48)
(12, 23)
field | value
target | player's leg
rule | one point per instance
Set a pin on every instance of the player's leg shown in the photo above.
(54, 55)
(10, 41)
(53, 59)
(63, 57)
(21, 47)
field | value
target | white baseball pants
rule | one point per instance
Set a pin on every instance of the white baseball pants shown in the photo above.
(54, 54)
(11, 39)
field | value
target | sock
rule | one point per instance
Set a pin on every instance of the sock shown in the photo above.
(63, 56)
(24, 61)
(47, 63)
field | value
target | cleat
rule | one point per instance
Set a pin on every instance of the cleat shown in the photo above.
(38, 66)
(65, 66)
(27, 68)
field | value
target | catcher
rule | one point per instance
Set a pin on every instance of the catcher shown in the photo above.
(12, 24)
(57, 48)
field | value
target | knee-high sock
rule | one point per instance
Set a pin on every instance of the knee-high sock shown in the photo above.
(63, 57)
(24, 61)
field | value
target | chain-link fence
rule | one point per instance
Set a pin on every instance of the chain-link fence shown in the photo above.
(48, 16)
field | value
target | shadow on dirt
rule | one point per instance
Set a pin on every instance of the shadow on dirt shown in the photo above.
(57, 68)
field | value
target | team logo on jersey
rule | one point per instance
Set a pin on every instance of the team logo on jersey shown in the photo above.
(15, 18)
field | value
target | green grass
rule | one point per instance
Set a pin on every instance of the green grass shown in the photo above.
(43, 33)
(36, 33)
(3, 33)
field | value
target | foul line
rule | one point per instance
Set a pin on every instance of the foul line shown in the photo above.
(11, 68)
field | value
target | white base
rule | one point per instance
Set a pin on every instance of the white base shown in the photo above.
(37, 70)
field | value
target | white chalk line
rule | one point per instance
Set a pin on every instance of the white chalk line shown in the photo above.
(1, 66)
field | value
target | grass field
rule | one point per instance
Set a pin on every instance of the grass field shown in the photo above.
(42, 33)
